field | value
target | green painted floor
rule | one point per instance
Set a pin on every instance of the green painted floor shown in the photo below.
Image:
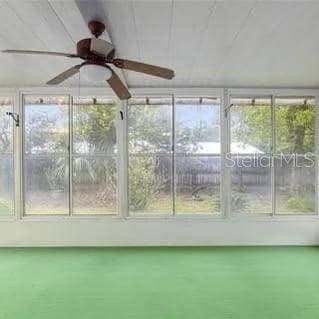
(168, 283)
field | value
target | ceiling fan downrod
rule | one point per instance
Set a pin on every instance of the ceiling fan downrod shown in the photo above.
(96, 28)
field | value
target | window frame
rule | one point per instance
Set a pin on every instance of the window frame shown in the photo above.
(70, 93)
(182, 93)
(277, 94)
(11, 94)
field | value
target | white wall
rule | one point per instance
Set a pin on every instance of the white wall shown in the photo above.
(116, 232)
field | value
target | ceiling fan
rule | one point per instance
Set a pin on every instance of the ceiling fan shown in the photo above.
(97, 55)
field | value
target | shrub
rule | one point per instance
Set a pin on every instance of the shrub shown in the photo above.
(142, 182)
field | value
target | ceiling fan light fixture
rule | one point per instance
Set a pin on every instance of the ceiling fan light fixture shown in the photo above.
(96, 73)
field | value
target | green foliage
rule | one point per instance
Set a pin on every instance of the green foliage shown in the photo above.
(149, 132)
(142, 184)
(149, 128)
(46, 132)
(95, 176)
(295, 127)
(191, 136)
(294, 133)
(5, 206)
(253, 126)
(300, 203)
(96, 126)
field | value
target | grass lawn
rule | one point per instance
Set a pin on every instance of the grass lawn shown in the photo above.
(184, 204)
(157, 283)
(6, 207)
(53, 210)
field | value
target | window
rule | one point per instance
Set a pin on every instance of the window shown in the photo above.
(94, 156)
(46, 154)
(6, 157)
(174, 155)
(49, 156)
(177, 164)
(150, 155)
(272, 160)
(295, 160)
(197, 155)
(250, 158)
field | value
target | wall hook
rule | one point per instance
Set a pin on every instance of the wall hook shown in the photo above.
(15, 117)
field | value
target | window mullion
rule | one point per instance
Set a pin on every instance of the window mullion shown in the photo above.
(225, 147)
(173, 156)
(273, 152)
(70, 155)
(316, 154)
(122, 159)
(18, 157)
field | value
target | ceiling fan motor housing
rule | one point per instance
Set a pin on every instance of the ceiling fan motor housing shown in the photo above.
(95, 49)
(101, 48)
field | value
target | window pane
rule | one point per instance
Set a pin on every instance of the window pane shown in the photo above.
(94, 126)
(251, 125)
(251, 183)
(94, 156)
(46, 124)
(197, 184)
(94, 185)
(250, 161)
(6, 125)
(150, 125)
(150, 184)
(295, 184)
(46, 185)
(6, 158)
(197, 133)
(197, 127)
(295, 176)
(46, 154)
(150, 155)
(295, 125)
(6, 185)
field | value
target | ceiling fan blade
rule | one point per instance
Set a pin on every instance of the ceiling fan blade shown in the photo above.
(144, 68)
(68, 55)
(118, 87)
(64, 75)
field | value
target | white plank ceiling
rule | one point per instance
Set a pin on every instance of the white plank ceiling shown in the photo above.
(208, 43)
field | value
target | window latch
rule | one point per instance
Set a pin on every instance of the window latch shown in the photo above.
(122, 115)
(15, 117)
(227, 109)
